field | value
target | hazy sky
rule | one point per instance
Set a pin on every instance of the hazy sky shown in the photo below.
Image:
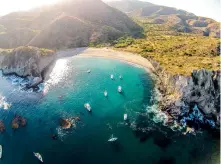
(207, 8)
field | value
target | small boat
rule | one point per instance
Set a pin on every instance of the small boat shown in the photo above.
(112, 76)
(37, 155)
(119, 89)
(0, 151)
(125, 116)
(120, 77)
(105, 93)
(87, 106)
(89, 71)
(112, 138)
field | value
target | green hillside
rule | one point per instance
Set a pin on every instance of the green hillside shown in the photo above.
(177, 52)
(178, 20)
(69, 23)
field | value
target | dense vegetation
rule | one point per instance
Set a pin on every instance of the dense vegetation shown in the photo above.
(177, 52)
(26, 49)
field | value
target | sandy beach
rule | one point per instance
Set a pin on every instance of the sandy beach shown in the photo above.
(107, 53)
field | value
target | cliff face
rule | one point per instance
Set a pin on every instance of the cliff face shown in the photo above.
(26, 61)
(193, 100)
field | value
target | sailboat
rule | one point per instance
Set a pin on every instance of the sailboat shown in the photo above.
(112, 138)
(125, 116)
(87, 106)
(119, 89)
(37, 155)
(105, 93)
(0, 151)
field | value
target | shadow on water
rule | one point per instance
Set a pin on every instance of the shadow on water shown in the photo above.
(148, 86)
(161, 140)
(116, 146)
(164, 160)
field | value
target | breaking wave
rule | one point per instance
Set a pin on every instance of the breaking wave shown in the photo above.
(159, 116)
(3, 103)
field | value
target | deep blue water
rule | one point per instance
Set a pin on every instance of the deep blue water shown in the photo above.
(143, 139)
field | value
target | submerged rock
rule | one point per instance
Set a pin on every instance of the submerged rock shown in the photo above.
(23, 122)
(65, 123)
(2, 126)
(70, 122)
(15, 123)
(161, 140)
(18, 121)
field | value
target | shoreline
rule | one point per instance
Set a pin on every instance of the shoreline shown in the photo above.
(130, 58)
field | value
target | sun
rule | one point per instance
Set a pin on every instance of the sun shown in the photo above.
(9, 6)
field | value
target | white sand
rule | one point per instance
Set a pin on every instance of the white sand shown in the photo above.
(108, 53)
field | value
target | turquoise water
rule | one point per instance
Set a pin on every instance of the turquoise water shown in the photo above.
(142, 139)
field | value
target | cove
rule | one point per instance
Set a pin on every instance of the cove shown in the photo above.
(143, 139)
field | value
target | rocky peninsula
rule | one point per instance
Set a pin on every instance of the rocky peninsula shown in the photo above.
(26, 61)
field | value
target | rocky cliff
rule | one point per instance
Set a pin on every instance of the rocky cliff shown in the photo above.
(26, 62)
(191, 100)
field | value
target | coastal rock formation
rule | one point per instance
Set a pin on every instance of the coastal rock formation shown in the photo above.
(27, 62)
(68, 123)
(204, 90)
(192, 100)
(18, 121)
(65, 123)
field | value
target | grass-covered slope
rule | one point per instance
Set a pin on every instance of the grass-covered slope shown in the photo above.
(178, 53)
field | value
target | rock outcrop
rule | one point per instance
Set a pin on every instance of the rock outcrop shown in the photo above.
(27, 62)
(192, 100)
(18, 121)
(2, 127)
(65, 123)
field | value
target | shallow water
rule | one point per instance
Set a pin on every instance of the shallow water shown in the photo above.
(143, 139)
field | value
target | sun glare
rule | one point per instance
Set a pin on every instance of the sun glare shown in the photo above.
(7, 7)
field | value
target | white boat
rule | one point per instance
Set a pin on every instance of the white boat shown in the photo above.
(120, 77)
(125, 116)
(105, 93)
(87, 106)
(0, 151)
(112, 76)
(37, 155)
(119, 89)
(112, 138)
(88, 71)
